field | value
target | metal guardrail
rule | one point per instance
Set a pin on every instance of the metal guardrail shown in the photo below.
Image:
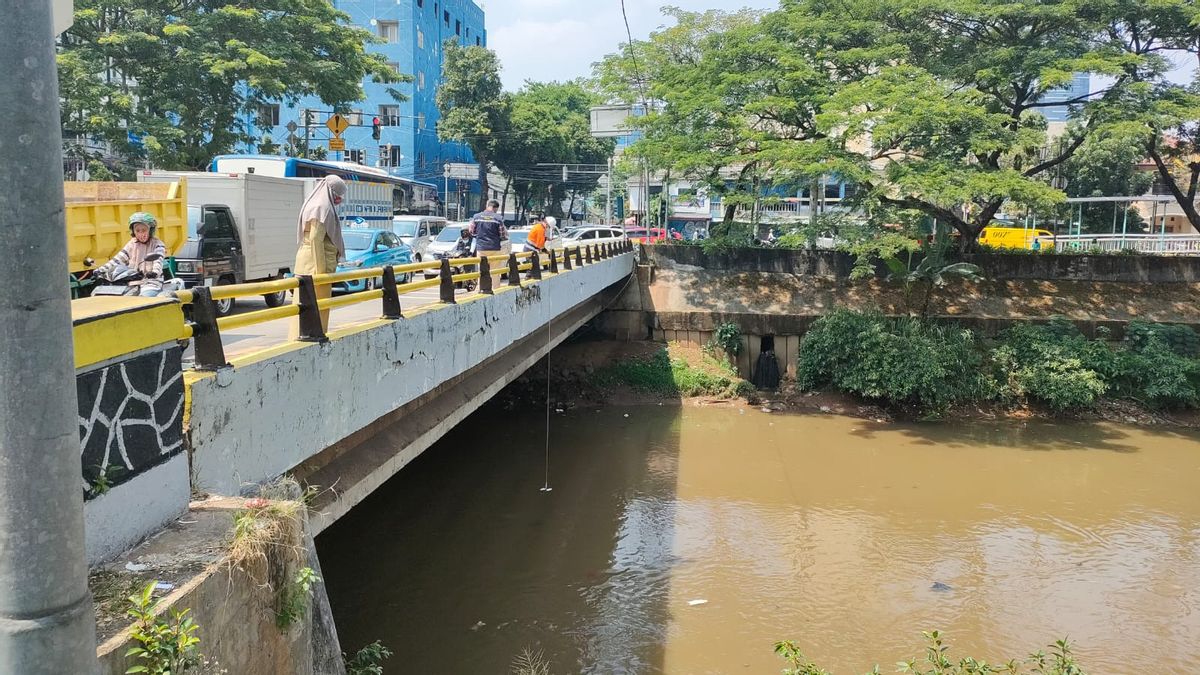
(1165, 244)
(205, 327)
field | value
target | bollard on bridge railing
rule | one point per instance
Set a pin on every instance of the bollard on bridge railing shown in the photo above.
(311, 328)
(535, 271)
(566, 260)
(588, 257)
(578, 257)
(446, 287)
(210, 353)
(391, 297)
(553, 262)
(485, 276)
(514, 270)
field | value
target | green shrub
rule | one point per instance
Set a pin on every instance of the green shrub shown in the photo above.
(1157, 375)
(1055, 364)
(904, 362)
(1181, 339)
(937, 661)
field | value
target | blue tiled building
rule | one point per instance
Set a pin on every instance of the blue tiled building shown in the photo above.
(413, 32)
(1080, 86)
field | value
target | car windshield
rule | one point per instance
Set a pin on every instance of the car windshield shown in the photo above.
(358, 241)
(405, 228)
(450, 233)
(517, 237)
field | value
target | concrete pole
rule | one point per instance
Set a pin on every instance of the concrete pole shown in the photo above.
(608, 194)
(46, 620)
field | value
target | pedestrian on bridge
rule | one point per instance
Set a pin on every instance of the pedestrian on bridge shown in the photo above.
(487, 227)
(319, 236)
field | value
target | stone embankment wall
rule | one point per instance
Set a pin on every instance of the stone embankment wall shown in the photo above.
(684, 293)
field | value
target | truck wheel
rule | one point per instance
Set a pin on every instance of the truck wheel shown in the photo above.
(275, 299)
(224, 307)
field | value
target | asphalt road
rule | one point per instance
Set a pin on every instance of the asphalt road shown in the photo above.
(260, 336)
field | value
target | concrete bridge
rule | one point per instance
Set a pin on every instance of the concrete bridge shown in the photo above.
(344, 411)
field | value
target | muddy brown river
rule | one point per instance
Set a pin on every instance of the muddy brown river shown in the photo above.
(689, 540)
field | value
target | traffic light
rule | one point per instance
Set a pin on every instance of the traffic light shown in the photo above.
(375, 130)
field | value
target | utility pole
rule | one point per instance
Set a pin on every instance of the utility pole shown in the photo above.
(46, 620)
(608, 194)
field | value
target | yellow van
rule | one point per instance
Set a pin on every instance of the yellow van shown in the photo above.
(1016, 237)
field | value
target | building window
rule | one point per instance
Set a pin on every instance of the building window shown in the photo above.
(421, 159)
(268, 115)
(389, 155)
(420, 79)
(420, 39)
(394, 65)
(420, 3)
(420, 120)
(446, 17)
(354, 117)
(389, 31)
(458, 28)
(389, 115)
(476, 40)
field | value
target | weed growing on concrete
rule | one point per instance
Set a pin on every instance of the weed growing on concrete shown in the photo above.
(368, 659)
(294, 598)
(267, 545)
(727, 338)
(164, 647)
(668, 374)
(104, 479)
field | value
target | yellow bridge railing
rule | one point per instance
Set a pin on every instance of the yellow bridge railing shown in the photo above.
(205, 327)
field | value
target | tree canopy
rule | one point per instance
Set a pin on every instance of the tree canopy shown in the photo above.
(189, 77)
(473, 107)
(932, 106)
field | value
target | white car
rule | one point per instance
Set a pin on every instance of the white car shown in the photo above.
(517, 237)
(594, 235)
(447, 240)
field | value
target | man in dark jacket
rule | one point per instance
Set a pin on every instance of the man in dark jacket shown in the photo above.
(488, 229)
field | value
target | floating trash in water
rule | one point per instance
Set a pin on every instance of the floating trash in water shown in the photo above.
(766, 410)
(478, 625)
(627, 414)
(940, 587)
(698, 601)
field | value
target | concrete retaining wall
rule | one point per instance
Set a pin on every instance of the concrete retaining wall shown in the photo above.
(1000, 267)
(257, 420)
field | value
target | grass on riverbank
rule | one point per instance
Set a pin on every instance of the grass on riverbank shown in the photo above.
(675, 370)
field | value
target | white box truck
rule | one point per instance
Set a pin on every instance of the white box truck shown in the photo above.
(241, 228)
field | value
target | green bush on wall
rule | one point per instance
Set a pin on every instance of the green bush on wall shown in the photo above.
(919, 365)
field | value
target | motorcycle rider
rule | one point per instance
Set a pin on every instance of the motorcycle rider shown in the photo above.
(464, 246)
(142, 244)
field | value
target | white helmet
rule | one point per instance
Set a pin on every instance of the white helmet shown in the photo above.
(551, 221)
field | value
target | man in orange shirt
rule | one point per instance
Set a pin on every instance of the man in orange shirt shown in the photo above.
(537, 235)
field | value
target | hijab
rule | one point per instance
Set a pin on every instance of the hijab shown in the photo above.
(319, 206)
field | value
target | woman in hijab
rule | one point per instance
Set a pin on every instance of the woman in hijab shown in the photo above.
(319, 236)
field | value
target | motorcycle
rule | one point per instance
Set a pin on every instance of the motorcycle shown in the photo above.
(453, 255)
(125, 280)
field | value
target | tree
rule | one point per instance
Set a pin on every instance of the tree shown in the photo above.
(1106, 166)
(189, 77)
(473, 108)
(933, 107)
(549, 123)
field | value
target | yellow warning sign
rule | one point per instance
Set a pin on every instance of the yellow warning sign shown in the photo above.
(337, 124)
(337, 144)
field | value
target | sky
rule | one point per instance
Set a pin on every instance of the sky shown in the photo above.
(546, 40)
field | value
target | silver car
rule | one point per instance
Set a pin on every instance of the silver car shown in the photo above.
(418, 232)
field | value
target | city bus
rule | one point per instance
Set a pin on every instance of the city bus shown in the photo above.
(408, 197)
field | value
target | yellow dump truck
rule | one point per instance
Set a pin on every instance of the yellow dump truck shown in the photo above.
(98, 221)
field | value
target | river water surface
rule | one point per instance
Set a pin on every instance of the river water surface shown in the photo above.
(846, 536)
